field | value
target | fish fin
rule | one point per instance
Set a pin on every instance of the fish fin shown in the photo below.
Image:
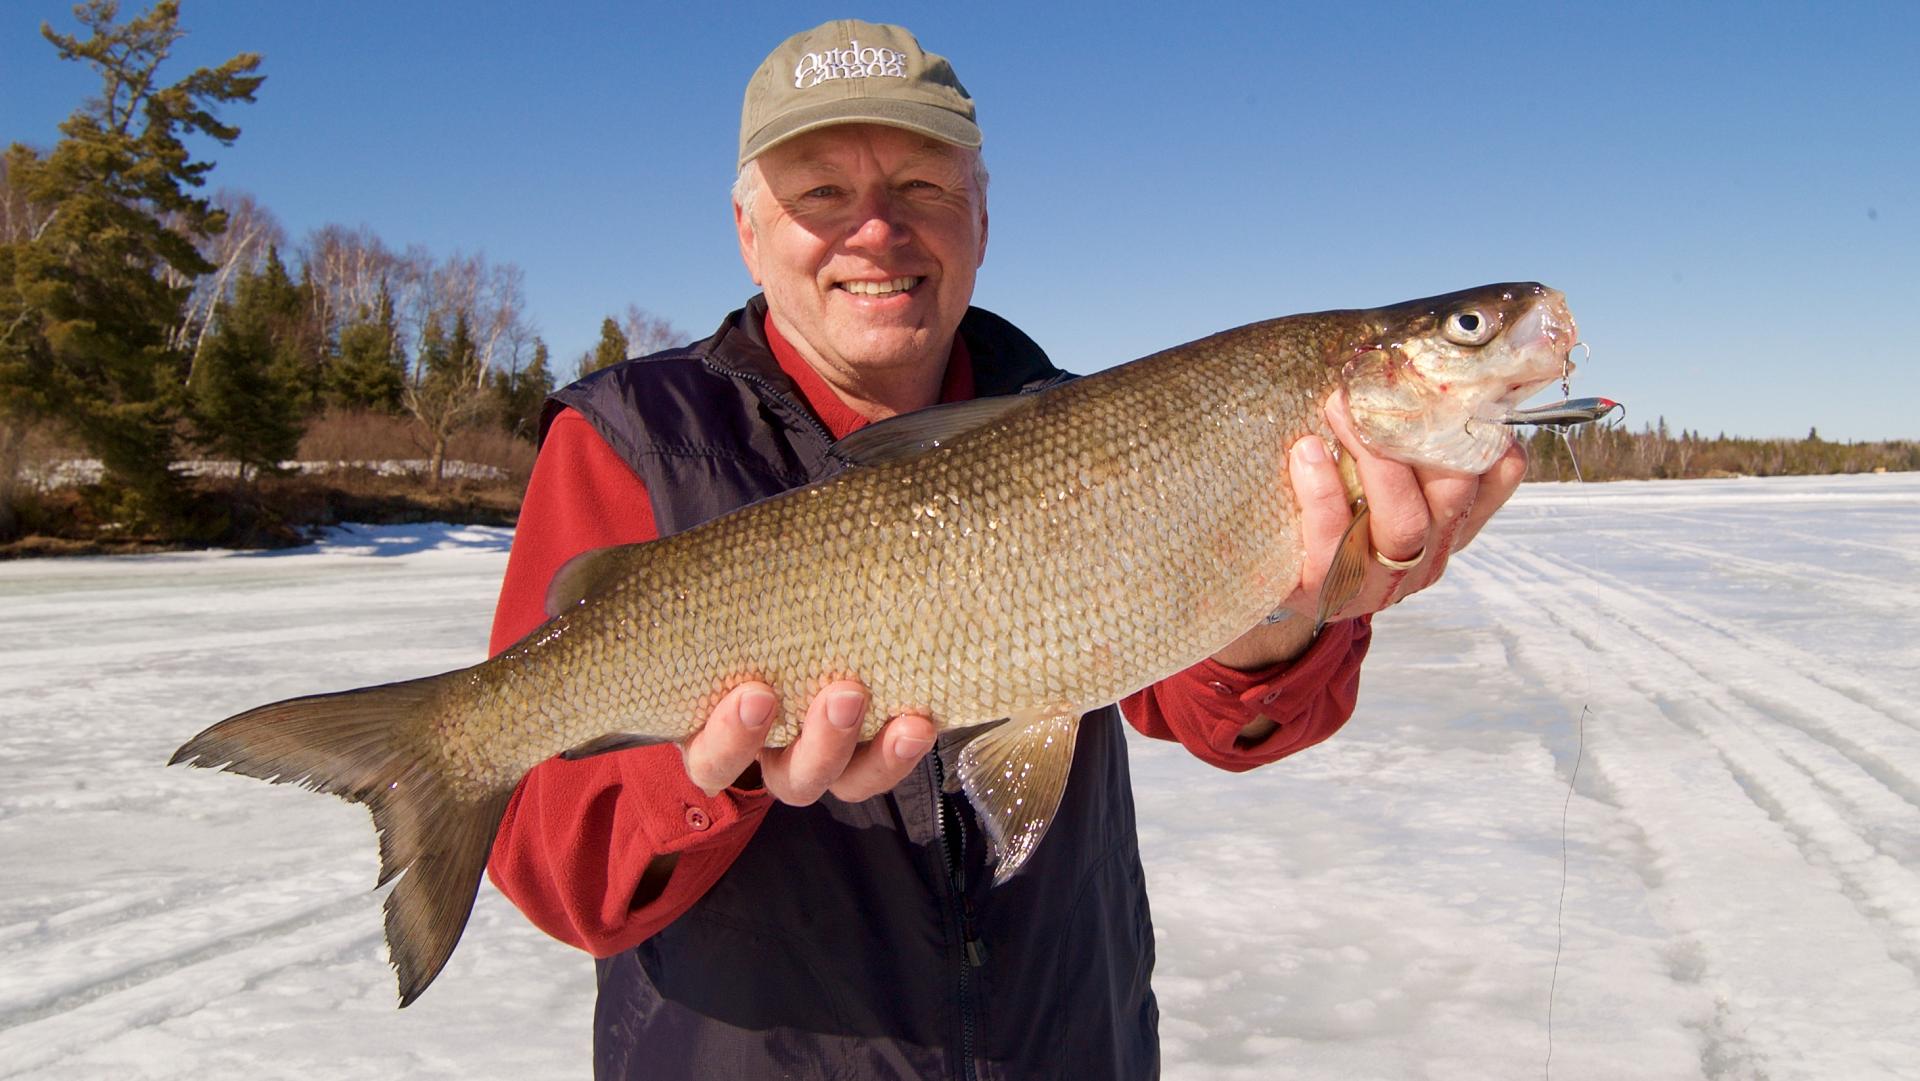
(1348, 571)
(1014, 775)
(366, 746)
(1350, 478)
(607, 744)
(586, 575)
(915, 433)
(951, 743)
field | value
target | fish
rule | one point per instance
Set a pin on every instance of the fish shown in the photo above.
(1002, 566)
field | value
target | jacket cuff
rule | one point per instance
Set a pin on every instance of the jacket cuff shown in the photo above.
(675, 814)
(1263, 687)
(1306, 699)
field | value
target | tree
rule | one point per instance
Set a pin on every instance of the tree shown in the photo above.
(92, 296)
(522, 394)
(368, 370)
(251, 229)
(611, 350)
(245, 391)
(448, 389)
(21, 220)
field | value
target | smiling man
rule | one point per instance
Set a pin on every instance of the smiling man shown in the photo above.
(826, 909)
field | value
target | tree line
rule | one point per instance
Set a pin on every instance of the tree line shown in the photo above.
(150, 322)
(1599, 452)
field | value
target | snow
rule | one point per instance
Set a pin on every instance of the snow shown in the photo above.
(1731, 665)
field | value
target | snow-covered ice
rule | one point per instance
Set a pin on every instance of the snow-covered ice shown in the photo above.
(1741, 847)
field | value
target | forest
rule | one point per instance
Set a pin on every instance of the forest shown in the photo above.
(173, 370)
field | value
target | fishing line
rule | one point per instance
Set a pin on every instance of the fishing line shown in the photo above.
(1560, 912)
(1565, 433)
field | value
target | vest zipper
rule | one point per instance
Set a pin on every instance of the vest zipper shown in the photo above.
(768, 385)
(973, 951)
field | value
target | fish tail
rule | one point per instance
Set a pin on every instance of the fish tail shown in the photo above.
(370, 746)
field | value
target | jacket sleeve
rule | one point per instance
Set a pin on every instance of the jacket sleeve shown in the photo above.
(603, 851)
(1207, 707)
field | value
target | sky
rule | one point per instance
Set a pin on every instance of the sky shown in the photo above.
(1726, 193)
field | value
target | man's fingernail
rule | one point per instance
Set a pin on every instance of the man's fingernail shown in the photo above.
(909, 748)
(1311, 450)
(756, 709)
(846, 708)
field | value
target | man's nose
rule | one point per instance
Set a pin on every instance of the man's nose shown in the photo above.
(877, 221)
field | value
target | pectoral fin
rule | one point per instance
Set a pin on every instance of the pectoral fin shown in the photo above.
(1348, 571)
(1014, 775)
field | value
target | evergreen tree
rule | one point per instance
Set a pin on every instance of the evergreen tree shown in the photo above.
(521, 396)
(245, 406)
(87, 302)
(283, 311)
(448, 389)
(611, 350)
(369, 370)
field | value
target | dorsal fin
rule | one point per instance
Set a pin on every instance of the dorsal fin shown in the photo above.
(915, 433)
(585, 575)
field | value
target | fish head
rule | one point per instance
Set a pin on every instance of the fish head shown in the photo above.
(1429, 380)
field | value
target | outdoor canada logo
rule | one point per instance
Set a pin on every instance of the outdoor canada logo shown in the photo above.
(852, 62)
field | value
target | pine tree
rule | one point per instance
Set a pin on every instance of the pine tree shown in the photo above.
(296, 354)
(368, 370)
(611, 350)
(522, 395)
(448, 389)
(245, 393)
(89, 300)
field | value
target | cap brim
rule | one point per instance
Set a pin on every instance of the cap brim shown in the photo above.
(929, 120)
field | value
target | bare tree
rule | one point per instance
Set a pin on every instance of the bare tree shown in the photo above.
(251, 229)
(466, 316)
(20, 217)
(648, 333)
(349, 267)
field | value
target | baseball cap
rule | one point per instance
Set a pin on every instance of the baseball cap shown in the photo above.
(847, 72)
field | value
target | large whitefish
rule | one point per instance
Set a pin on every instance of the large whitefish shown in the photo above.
(1741, 848)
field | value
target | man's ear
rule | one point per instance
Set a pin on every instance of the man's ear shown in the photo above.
(749, 247)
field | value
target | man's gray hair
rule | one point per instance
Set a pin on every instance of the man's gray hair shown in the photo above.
(746, 183)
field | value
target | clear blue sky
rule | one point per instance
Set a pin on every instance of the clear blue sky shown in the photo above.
(1729, 194)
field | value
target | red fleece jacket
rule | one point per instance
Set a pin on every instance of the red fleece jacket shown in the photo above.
(579, 836)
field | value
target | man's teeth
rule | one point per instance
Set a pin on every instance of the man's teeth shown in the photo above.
(880, 289)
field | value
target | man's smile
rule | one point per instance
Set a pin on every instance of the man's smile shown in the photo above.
(890, 287)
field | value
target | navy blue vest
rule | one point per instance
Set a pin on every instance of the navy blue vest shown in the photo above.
(864, 940)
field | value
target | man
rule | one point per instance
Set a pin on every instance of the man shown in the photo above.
(824, 910)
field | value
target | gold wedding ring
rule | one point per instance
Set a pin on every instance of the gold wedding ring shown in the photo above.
(1400, 564)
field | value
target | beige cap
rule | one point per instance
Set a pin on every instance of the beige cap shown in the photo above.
(852, 72)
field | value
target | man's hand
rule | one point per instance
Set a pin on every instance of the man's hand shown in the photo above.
(1416, 512)
(828, 757)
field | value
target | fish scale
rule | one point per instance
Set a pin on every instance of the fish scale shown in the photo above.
(1020, 559)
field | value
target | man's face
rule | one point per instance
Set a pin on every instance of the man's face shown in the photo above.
(865, 239)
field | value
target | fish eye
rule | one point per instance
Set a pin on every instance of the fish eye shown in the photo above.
(1468, 327)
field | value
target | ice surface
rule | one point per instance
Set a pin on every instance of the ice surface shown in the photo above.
(1742, 845)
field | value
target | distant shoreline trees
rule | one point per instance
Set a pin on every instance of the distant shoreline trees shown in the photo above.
(1599, 452)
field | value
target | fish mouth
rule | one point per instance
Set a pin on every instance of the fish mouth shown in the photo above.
(1541, 343)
